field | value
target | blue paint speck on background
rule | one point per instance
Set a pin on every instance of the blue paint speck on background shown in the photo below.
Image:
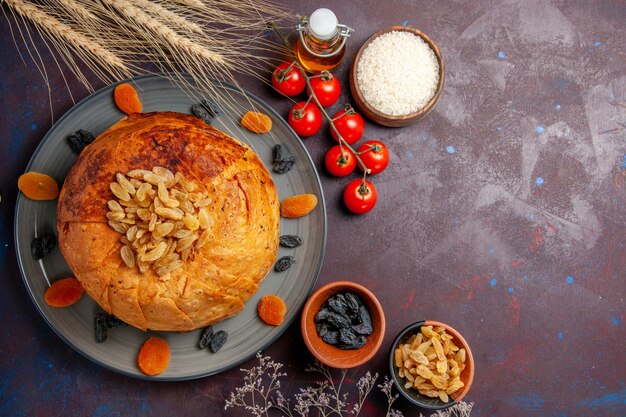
(50, 366)
(569, 280)
(597, 43)
(558, 107)
(423, 137)
(510, 290)
(624, 162)
(409, 154)
(615, 320)
(406, 22)
(450, 149)
(560, 335)
(33, 126)
(539, 181)
(540, 129)
(493, 282)
(491, 251)
(525, 277)
(501, 55)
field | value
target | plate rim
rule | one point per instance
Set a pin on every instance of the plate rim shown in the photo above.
(282, 328)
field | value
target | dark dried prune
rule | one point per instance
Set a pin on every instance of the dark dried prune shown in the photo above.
(353, 301)
(331, 337)
(218, 340)
(100, 323)
(363, 328)
(79, 140)
(113, 322)
(290, 241)
(49, 241)
(202, 113)
(41, 246)
(357, 344)
(322, 329)
(284, 263)
(337, 306)
(322, 315)
(205, 337)
(278, 154)
(337, 320)
(347, 337)
(364, 316)
(36, 248)
(284, 166)
(211, 106)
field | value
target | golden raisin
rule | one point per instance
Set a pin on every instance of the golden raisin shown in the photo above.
(37, 186)
(256, 122)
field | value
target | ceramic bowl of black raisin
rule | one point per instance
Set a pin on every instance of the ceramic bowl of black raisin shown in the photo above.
(343, 324)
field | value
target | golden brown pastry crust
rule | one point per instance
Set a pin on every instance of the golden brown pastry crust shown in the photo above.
(223, 274)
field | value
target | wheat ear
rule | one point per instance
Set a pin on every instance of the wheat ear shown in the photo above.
(57, 29)
(167, 35)
(167, 17)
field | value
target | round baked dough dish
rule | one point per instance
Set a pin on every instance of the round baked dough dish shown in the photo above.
(187, 234)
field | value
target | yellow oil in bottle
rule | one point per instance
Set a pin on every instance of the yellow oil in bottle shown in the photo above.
(316, 64)
(321, 41)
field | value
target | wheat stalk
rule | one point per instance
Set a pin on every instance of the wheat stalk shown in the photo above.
(57, 29)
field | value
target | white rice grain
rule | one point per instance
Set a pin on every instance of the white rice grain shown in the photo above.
(398, 73)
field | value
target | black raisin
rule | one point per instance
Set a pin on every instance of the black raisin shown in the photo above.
(290, 241)
(37, 248)
(322, 315)
(363, 328)
(211, 107)
(331, 337)
(79, 140)
(322, 329)
(364, 316)
(205, 337)
(353, 301)
(100, 322)
(283, 166)
(112, 322)
(218, 340)
(357, 344)
(337, 306)
(347, 337)
(337, 320)
(278, 154)
(284, 263)
(202, 113)
(49, 241)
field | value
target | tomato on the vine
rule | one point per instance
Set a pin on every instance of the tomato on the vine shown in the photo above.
(350, 125)
(305, 119)
(340, 163)
(288, 80)
(360, 196)
(326, 88)
(374, 155)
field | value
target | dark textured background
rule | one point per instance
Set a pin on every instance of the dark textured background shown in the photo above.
(502, 213)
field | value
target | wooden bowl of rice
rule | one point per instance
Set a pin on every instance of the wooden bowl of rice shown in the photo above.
(397, 76)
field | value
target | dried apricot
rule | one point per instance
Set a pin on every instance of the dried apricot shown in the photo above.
(64, 292)
(272, 310)
(154, 356)
(38, 186)
(127, 99)
(256, 122)
(298, 205)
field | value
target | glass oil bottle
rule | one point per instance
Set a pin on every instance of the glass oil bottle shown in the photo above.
(321, 41)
